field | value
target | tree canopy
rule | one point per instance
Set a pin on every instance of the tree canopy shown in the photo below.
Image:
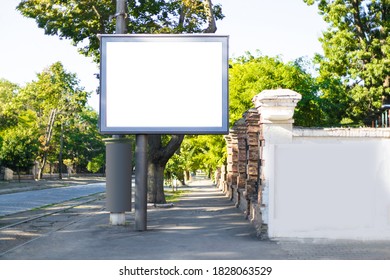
(356, 48)
(250, 74)
(82, 20)
(46, 117)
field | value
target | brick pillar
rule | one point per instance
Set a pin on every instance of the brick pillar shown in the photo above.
(240, 128)
(217, 176)
(222, 185)
(232, 162)
(276, 110)
(252, 156)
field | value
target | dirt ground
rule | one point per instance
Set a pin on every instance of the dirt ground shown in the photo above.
(27, 185)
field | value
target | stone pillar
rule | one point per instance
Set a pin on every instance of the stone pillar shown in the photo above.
(252, 157)
(276, 110)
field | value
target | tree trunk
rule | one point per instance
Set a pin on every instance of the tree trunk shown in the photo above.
(60, 154)
(156, 183)
(212, 26)
(187, 177)
(158, 156)
(46, 145)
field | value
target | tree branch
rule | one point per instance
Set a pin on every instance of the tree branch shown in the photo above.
(158, 153)
(360, 28)
(208, 6)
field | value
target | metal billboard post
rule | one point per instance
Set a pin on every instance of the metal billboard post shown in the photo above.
(141, 145)
(118, 166)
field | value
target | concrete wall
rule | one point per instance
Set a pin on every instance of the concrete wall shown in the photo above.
(315, 183)
(331, 190)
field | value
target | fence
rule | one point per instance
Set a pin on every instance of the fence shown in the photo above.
(299, 182)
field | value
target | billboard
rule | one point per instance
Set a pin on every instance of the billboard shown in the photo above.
(164, 84)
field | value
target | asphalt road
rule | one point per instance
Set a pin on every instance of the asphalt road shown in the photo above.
(23, 201)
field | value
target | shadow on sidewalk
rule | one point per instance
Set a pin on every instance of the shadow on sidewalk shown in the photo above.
(204, 224)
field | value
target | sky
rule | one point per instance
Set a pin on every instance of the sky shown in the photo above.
(286, 28)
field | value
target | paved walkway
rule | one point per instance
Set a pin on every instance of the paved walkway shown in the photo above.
(204, 225)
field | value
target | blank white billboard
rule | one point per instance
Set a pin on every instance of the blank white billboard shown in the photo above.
(164, 84)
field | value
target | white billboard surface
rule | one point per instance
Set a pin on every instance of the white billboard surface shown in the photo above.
(164, 84)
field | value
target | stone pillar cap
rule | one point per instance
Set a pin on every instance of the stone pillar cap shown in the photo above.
(276, 105)
(276, 95)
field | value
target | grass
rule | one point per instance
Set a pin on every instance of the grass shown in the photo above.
(174, 196)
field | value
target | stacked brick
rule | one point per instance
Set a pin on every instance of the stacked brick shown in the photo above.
(252, 119)
(240, 128)
(242, 176)
(232, 162)
(248, 150)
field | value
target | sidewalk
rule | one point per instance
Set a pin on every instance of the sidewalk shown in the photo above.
(204, 225)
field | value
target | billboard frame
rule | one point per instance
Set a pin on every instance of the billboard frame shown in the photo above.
(110, 115)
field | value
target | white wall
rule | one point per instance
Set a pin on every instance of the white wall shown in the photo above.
(330, 189)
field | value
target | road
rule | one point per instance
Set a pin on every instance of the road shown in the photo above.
(23, 201)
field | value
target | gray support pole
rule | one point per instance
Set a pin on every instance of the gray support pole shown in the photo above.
(120, 27)
(141, 182)
(118, 179)
(114, 191)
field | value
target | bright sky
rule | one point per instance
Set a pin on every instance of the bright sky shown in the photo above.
(288, 28)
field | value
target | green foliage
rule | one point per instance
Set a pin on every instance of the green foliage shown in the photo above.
(175, 167)
(356, 51)
(250, 75)
(96, 163)
(36, 118)
(18, 148)
(197, 152)
(57, 100)
(8, 114)
(55, 88)
(81, 21)
(81, 138)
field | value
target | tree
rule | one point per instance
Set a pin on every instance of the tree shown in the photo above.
(82, 140)
(197, 152)
(8, 113)
(18, 130)
(56, 99)
(356, 51)
(159, 154)
(81, 21)
(249, 75)
(19, 145)
(47, 120)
